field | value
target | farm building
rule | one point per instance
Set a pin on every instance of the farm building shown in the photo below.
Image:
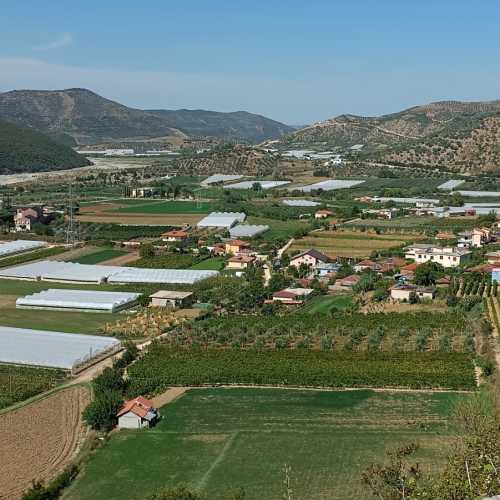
(69, 272)
(310, 258)
(235, 246)
(240, 261)
(223, 220)
(20, 246)
(52, 349)
(174, 235)
(145, 192)
(350, 281)
(323, 214)
(79, 300)
(171, 298)
(247, 230)
(403, 292)
(292, 296)
(493, 257)
(137, 413)
(326, 268)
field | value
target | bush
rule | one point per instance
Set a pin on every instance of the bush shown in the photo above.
(55, 488)
(100, 414)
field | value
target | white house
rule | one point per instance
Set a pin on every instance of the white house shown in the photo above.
(137, 413)
(446, 256)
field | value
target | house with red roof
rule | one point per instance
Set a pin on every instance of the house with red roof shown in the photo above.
(175, 235)
(137, 413)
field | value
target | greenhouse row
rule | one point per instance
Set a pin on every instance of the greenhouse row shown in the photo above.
(79, 300)
(69, 272)
(51, 349)
(19, 246)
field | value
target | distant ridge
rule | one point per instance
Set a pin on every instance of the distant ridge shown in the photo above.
(80, 116)
(461, 135)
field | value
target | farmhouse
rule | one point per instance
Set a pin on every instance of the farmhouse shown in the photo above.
(404, 292)
(350, 281)
(323, 214)
(234, 247)
(326, 269)
(310, 258)
(475, 238)
(240, 261)
(171, 298)
(365, 265)
(137, 413)
(292, 296)
(446, 256)
(175, 235)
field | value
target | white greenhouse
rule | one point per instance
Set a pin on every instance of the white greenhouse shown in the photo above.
(330, 185)
(79, 300)
(52, 349)
(20, 246)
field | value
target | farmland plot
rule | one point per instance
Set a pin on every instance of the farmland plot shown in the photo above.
(40, 439)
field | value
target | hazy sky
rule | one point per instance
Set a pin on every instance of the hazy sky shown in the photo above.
(295, 61)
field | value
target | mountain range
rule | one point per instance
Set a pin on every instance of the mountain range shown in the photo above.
(82, 117)
(464, 136)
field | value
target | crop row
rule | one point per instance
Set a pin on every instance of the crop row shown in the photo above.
(27, 257)
(18, 383)
(162, 367)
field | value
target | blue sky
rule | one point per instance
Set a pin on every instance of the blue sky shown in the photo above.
(295, 61)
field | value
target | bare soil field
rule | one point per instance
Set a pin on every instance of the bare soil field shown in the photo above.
(143, 220)
(40, 439)
(123, 260)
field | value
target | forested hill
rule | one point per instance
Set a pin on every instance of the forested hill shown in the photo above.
(24, 150)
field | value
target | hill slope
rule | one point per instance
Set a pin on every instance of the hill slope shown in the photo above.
(239, 125)
(24, 150)
(464, 136)
(81, 114)
(84, 117)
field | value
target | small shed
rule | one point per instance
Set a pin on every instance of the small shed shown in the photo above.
(171, 298)
(137, 413)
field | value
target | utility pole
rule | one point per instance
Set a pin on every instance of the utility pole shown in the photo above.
(72, 226)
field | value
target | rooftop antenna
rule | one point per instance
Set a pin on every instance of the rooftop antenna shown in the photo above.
(72, 226)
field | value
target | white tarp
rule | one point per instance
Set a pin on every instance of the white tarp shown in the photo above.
(19, 246)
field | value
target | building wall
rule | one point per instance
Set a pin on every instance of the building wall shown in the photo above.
(131, 421)
(304, 259)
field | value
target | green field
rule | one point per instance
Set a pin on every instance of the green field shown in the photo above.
(62, 321)
(211, 264)
(18, 383)
(167, 207)
(325, 303)
(98, 256)
(214, 440)
(278, 228)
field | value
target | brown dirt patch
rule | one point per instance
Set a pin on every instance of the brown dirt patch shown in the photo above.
(168, 396)
(122, 260)
(8, 300)
(38, 440)
(142, 219)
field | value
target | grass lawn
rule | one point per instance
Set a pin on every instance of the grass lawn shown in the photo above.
(324, 303)
(278, 228)
(349, 243)
(211, 264)
(168, 207)
(100, 255)
(214, 440)
(61, 321)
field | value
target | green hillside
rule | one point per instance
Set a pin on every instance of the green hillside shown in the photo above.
(23, 150)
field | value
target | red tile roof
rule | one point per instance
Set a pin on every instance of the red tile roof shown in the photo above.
(238, 243)
(139, 406)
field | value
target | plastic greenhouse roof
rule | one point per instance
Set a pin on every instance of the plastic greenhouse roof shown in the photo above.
(51, 349)
(18, 246)
(78, 299)
(330, 185)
